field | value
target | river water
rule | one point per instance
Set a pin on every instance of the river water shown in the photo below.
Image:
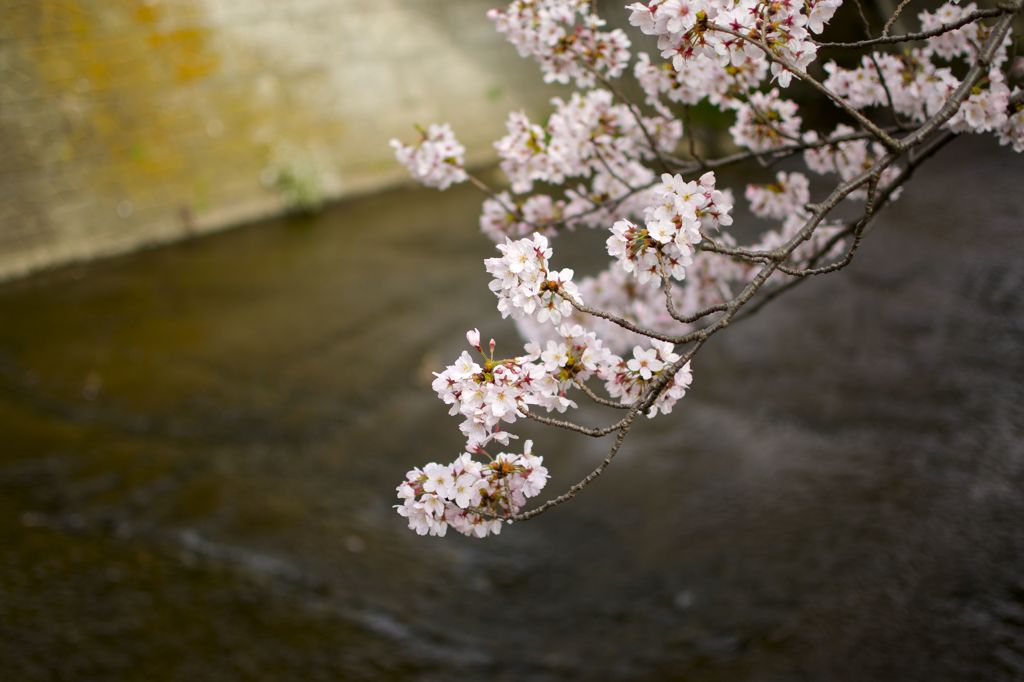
(200, 445)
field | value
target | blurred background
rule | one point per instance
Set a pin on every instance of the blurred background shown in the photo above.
(131, 122)
(199, 443)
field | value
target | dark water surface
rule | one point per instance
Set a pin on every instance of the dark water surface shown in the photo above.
(200, 446)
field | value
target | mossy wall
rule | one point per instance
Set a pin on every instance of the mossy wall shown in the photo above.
(132, 122)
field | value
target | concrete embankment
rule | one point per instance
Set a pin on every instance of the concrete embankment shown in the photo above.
(129, 123)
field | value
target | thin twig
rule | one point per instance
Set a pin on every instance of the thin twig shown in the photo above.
(895, 15)
(582, 385)
(593, 432)
(637, 116)
(924, 35)
(863, 18)
(620, 321)
(840, 102)
(575, 488)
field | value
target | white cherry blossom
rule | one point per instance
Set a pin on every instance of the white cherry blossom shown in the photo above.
(597, 160)
(478, 496)
(436, 160)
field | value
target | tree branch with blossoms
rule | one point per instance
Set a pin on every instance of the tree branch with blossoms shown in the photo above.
(677, 275)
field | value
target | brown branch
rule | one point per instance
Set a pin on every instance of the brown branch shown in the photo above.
(933, 147)
(895, 15)
(577, 487)
(620, 321)
(582, 385)
(863, 120)
(924, 35)
(593, 432)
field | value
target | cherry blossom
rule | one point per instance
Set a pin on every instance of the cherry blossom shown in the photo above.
(788, 194)
(629, 379)
(436, 160)
(525, 285)
(473, 497)
(642, 304)
(1012, 131)
(574, 356)
(765, 121)
(588, 134)
(665, 244)
(623, 337)
(565, 38)
(692, 29)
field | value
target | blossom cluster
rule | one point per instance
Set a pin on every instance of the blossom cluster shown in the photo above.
(788, 194)
(630, 379)
(765, 121)
(587, 134)
(642, 304)
(916, 83)
(565, 37)
(786, 200)
(962, 42)
(436, 160)
(664, 246)
(574, 356)
(472, 497)
(502, 216)
(601, 162)
(525, 285)
(728, 31)
(916, 86)
(589, 141)
(1013, 132)
(696, 79)
(493, 392)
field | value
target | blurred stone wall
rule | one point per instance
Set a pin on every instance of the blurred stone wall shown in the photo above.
(132, 122)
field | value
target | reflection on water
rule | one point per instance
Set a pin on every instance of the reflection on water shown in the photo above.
(200, 445)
